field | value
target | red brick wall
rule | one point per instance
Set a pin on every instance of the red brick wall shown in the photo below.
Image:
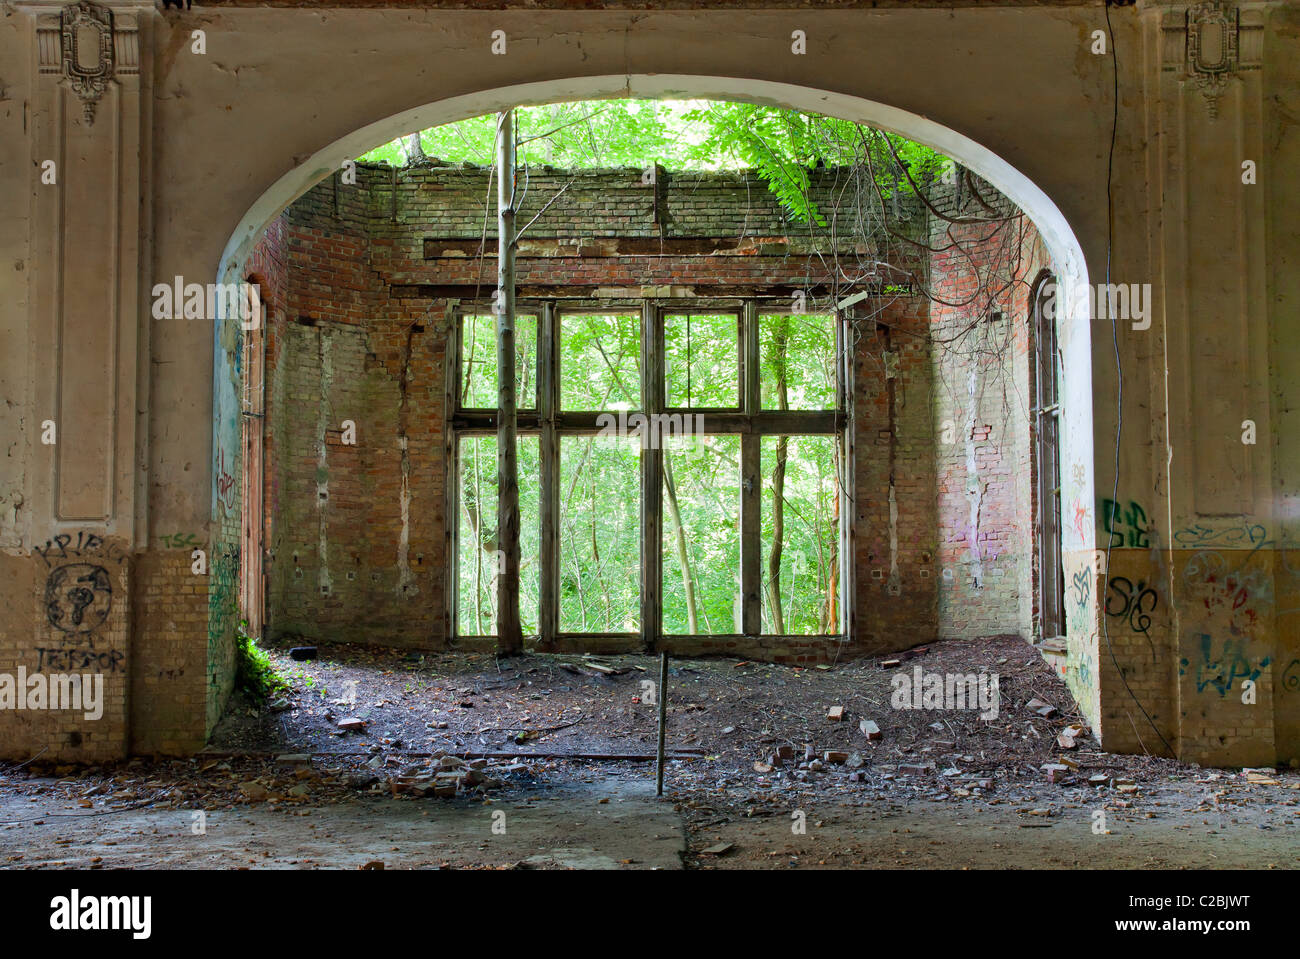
(895, 560)
(362, 336)
(981, 279)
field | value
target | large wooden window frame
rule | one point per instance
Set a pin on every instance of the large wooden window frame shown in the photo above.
(1045, 436)
(748, 420)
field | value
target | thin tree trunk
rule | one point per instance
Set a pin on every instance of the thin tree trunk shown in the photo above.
(595, 555)
(830, 617)
(415, 150)
(510, 640)
(688, 581)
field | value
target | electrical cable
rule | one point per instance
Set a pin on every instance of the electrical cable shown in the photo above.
(1119, 366)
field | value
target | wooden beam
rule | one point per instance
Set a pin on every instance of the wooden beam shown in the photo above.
(548, 397)
(510, 640)
(844, 391)
(451, 491)
(652, 470)
(598, 290)
(751, 480)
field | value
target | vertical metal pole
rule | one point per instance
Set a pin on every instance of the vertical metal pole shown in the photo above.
(509, 634)
(663, 719)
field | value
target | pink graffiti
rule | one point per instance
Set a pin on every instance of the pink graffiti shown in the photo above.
(225, 483)
(1081, 521)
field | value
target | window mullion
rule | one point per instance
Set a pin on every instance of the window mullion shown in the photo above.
(548, 611)
(451, 450)
(844, 389)
(751, 480)
(652, 468)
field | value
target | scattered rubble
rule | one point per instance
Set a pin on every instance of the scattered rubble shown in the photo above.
(757, 733)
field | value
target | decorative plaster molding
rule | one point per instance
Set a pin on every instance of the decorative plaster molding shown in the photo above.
(86, 45)
(1211, 49)
(89, 46)
(1210, 44)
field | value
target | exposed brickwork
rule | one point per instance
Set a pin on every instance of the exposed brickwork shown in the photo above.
(79, 586)
(982, 410)
(360, 339)
(169, 672)
(344, 558)
(894, 560)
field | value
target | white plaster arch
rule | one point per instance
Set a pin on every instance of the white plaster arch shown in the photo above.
(1062, 244)
(1067, 255)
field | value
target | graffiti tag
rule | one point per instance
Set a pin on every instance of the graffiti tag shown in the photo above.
(1126, 527)
(1224, 671)
(74, 660)
(78, 597)
(1082, 586)
(1127, 602)
(226, 489)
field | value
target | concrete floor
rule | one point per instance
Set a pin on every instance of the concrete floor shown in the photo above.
(616, 822)
(580, 826)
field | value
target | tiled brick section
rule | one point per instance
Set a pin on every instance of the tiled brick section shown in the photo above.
(355, 532)
(266, 266)
(1221, 684)
(169, 671)
(79, 586)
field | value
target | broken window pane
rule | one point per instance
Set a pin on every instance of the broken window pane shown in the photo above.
(479, 560)
(600, 535)
(797, 361)
(701, 538)
(800, 551)
(600, 361)
(478, 365)
(702, 360)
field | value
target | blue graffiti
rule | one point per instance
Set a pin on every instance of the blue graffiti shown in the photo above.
(1223, 672)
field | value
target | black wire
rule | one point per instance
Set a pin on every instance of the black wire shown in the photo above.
(1119, 367)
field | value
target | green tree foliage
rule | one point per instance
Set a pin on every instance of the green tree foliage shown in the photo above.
(782, 146)
(479, 561)
(600, 370)
(785, 145)
(600, 535)
(600, 361)
(578, 135)
(599, 482)
(700, 358)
